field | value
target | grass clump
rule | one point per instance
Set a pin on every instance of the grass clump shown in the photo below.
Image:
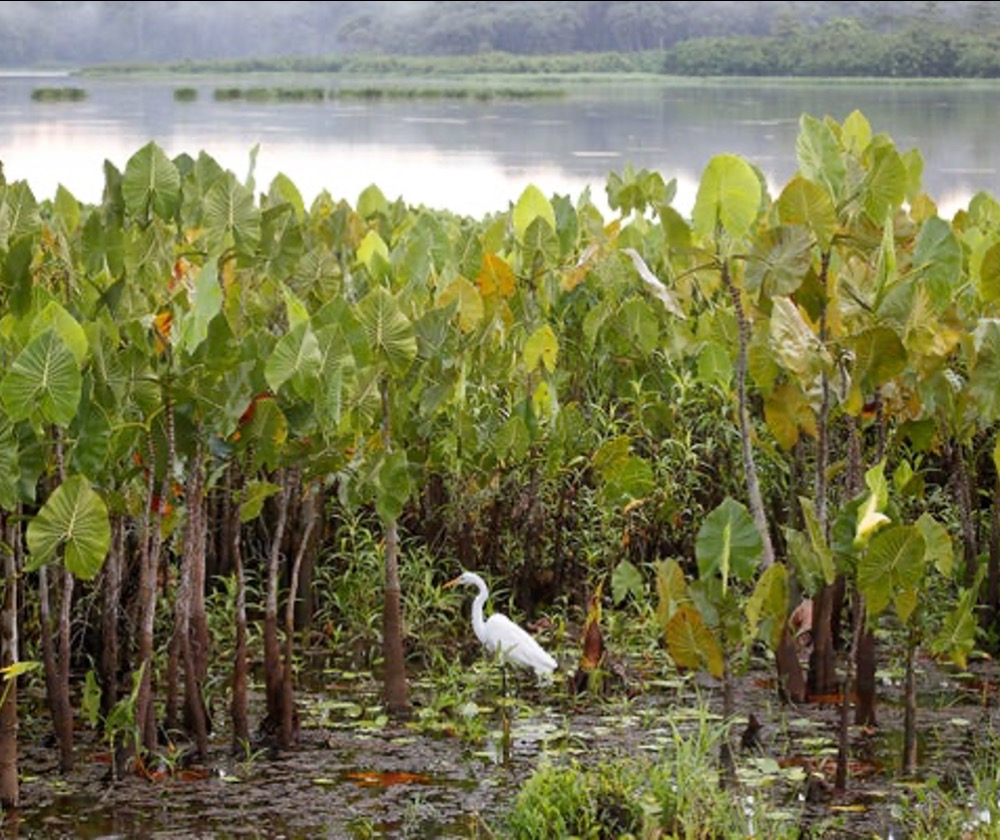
(185, 94)
(674, 794)
(59, 94)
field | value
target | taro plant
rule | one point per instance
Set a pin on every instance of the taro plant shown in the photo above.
(892, 561)
(703, 620)
(120, 727)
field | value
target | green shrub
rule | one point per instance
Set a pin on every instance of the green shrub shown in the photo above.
(63, 94)
(575, 802)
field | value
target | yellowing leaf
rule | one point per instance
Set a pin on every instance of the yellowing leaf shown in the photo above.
(579, 272)
(542, 347)
(787, 413)
(542, 400)
(692, 644)
(870, 520)
(671, 590)
(496, 277)
(371, 245)
(468, 301)
(15, 669)
(161, 330)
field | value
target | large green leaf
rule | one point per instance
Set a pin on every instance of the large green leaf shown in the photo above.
(989, 274)
(781, 258)
(626, 580)
(803, 202)
(255, 494)
(940, 551)
(66, 326)
(73, 521)
(767, 607)
(19, 216)
(885, 184)
(283, 191)
(531, 205)
(729, 195)
(892, 568)
(373, 254)
(809, 552)
(640, 324)
(17, 277)
(393, 487)
(879, 356)
(728, 543)
(540, 243)
(295, 357)
(856, 133)
(938, 259)
(43, 379)
(10, 468)
(390, 334)
(984, 380)
(264, 433)
(627, 480)
(230, 210)
(819, 156)
(207, 303)
(151, 184)
(959, 631)
(372, 202)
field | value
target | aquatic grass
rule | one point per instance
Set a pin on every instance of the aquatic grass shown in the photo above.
(370, 93)
(675, 793)
(185, 94)
(966, 808)
(59, 94)
(477, 93)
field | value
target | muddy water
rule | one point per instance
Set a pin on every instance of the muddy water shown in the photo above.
(445, 774)
(352, 774)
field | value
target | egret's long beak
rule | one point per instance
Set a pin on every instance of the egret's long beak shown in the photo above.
(451, 583)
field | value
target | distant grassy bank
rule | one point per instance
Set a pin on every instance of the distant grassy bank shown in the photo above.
(411, 66)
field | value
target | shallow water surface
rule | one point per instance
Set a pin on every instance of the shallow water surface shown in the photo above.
(445, 773)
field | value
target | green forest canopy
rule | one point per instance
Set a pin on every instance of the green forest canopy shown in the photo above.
(82, 33)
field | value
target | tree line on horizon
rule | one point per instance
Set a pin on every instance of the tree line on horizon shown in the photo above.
(696, 38)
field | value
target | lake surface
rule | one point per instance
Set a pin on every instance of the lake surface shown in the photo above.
(474, 157)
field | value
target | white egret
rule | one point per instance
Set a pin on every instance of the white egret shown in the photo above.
(501, 636)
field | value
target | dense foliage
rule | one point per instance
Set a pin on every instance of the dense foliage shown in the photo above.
(745, 38)
(207, 388)
(845, 47)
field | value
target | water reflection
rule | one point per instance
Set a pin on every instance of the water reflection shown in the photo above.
(475, 157)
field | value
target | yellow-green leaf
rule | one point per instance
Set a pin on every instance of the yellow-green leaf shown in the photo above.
(691, 644)
(542, 347)
(728, 195)
(530, 206)
(468, 301)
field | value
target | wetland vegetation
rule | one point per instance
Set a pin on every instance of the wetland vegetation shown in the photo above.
(737, 469)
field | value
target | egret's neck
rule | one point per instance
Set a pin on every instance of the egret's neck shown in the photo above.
(478, 624)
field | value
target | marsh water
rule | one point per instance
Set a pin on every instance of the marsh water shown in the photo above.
(446, 773)
(473, 156)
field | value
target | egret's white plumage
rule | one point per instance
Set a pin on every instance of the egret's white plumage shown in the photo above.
(500, 635)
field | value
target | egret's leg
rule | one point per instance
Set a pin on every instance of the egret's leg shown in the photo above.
(504, 714)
